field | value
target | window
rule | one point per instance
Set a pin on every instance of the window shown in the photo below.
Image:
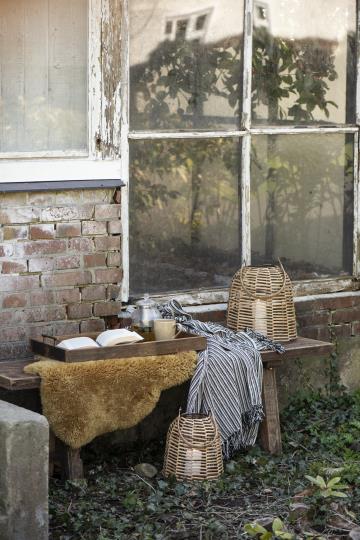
(54, 93)
(243, 144)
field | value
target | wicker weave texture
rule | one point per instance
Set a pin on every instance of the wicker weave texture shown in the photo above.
(261, 298)
(193, 448)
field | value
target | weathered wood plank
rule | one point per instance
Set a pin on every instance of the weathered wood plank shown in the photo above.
(12, 376)
(150, 348)
(270, 433)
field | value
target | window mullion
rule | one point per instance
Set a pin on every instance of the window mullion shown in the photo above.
(247, 68)
(356, 237)
(246, 140)
(358, 63)
(245, 200)
(124, 147)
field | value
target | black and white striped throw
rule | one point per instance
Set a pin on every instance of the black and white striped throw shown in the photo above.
(228, 378)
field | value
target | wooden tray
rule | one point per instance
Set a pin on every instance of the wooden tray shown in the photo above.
(47, 346)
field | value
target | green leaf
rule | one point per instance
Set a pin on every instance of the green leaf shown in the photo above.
(277, 525)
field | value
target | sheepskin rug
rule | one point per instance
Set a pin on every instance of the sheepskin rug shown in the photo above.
(85, 399)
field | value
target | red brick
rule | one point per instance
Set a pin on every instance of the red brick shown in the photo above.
(92, 228)
(68, 230)
(113, 292)
(79, 311)
(65, 279)
(341, 330)
(15, 350)
(41, 265)
(67, 262)
(96, 259)
(41, 198)
(355, 328)
(66, 328)
(13, 333)
(92, 325)
(67, 213)
(81, 245)
(41, 247)
(108, 243)
(42, 298)
(107, 308)
(346, 315)
(19, 232)
(107, 211)
(93, 292)
(18, 283)
(114, 259)
(114, 227)
(46, 313)
(11, 317)
(314, 318)
(67, 296)
(38, 330)
(117, 196)
(14, 267)
(25, 214)
(316, 332)
(14, 301)
(42, 232)
(112, 275)
(6, 250)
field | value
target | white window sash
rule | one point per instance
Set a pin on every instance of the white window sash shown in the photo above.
(76, 165)
(219, 296)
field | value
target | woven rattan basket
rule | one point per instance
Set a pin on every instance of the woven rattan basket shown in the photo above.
(193, 448)
(261, 298)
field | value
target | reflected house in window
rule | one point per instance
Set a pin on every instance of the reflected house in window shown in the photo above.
(191, 26)
(186, 72)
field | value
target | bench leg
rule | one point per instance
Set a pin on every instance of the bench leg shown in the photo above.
(70, 461)
(270, 433)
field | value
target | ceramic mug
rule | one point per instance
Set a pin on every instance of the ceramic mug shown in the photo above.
(165, 329)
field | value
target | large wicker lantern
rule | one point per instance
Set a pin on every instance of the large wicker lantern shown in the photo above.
(193, 448)
(261, 298)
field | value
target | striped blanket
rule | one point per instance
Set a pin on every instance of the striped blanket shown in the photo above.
(228, 378)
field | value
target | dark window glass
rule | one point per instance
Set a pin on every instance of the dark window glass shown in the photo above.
(182, 83)
(200, 22)
(304, 62)
(185, 214)
(302, 203)
(168, 27)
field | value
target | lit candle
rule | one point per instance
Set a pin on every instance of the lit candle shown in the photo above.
(193, 462)
(259, 317)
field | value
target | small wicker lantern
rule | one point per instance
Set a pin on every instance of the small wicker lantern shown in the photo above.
(261, 298)
(193, 448)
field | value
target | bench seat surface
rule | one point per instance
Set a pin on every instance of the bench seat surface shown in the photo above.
(12, 376)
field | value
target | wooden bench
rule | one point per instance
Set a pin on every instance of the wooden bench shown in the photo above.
(12, 377)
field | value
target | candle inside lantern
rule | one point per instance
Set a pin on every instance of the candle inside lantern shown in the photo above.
(193, 462)
(259, 317)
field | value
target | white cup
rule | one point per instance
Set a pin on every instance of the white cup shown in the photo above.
(164, 329)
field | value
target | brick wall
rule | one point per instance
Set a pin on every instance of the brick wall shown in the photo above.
(329, 318)
(59, 264)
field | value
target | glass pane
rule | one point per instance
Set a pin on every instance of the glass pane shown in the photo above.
(185, 64)
(185, 214)
(304, 61)
(43, 66)
(302, 203)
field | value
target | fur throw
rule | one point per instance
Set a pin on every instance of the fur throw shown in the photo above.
(85, 399)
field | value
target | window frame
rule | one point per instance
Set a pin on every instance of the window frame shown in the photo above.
(102, 159)
(219, 296)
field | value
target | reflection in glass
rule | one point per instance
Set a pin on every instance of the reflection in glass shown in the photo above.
(302, 203)
(185, 64)
(185, 214)
(304, 61)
